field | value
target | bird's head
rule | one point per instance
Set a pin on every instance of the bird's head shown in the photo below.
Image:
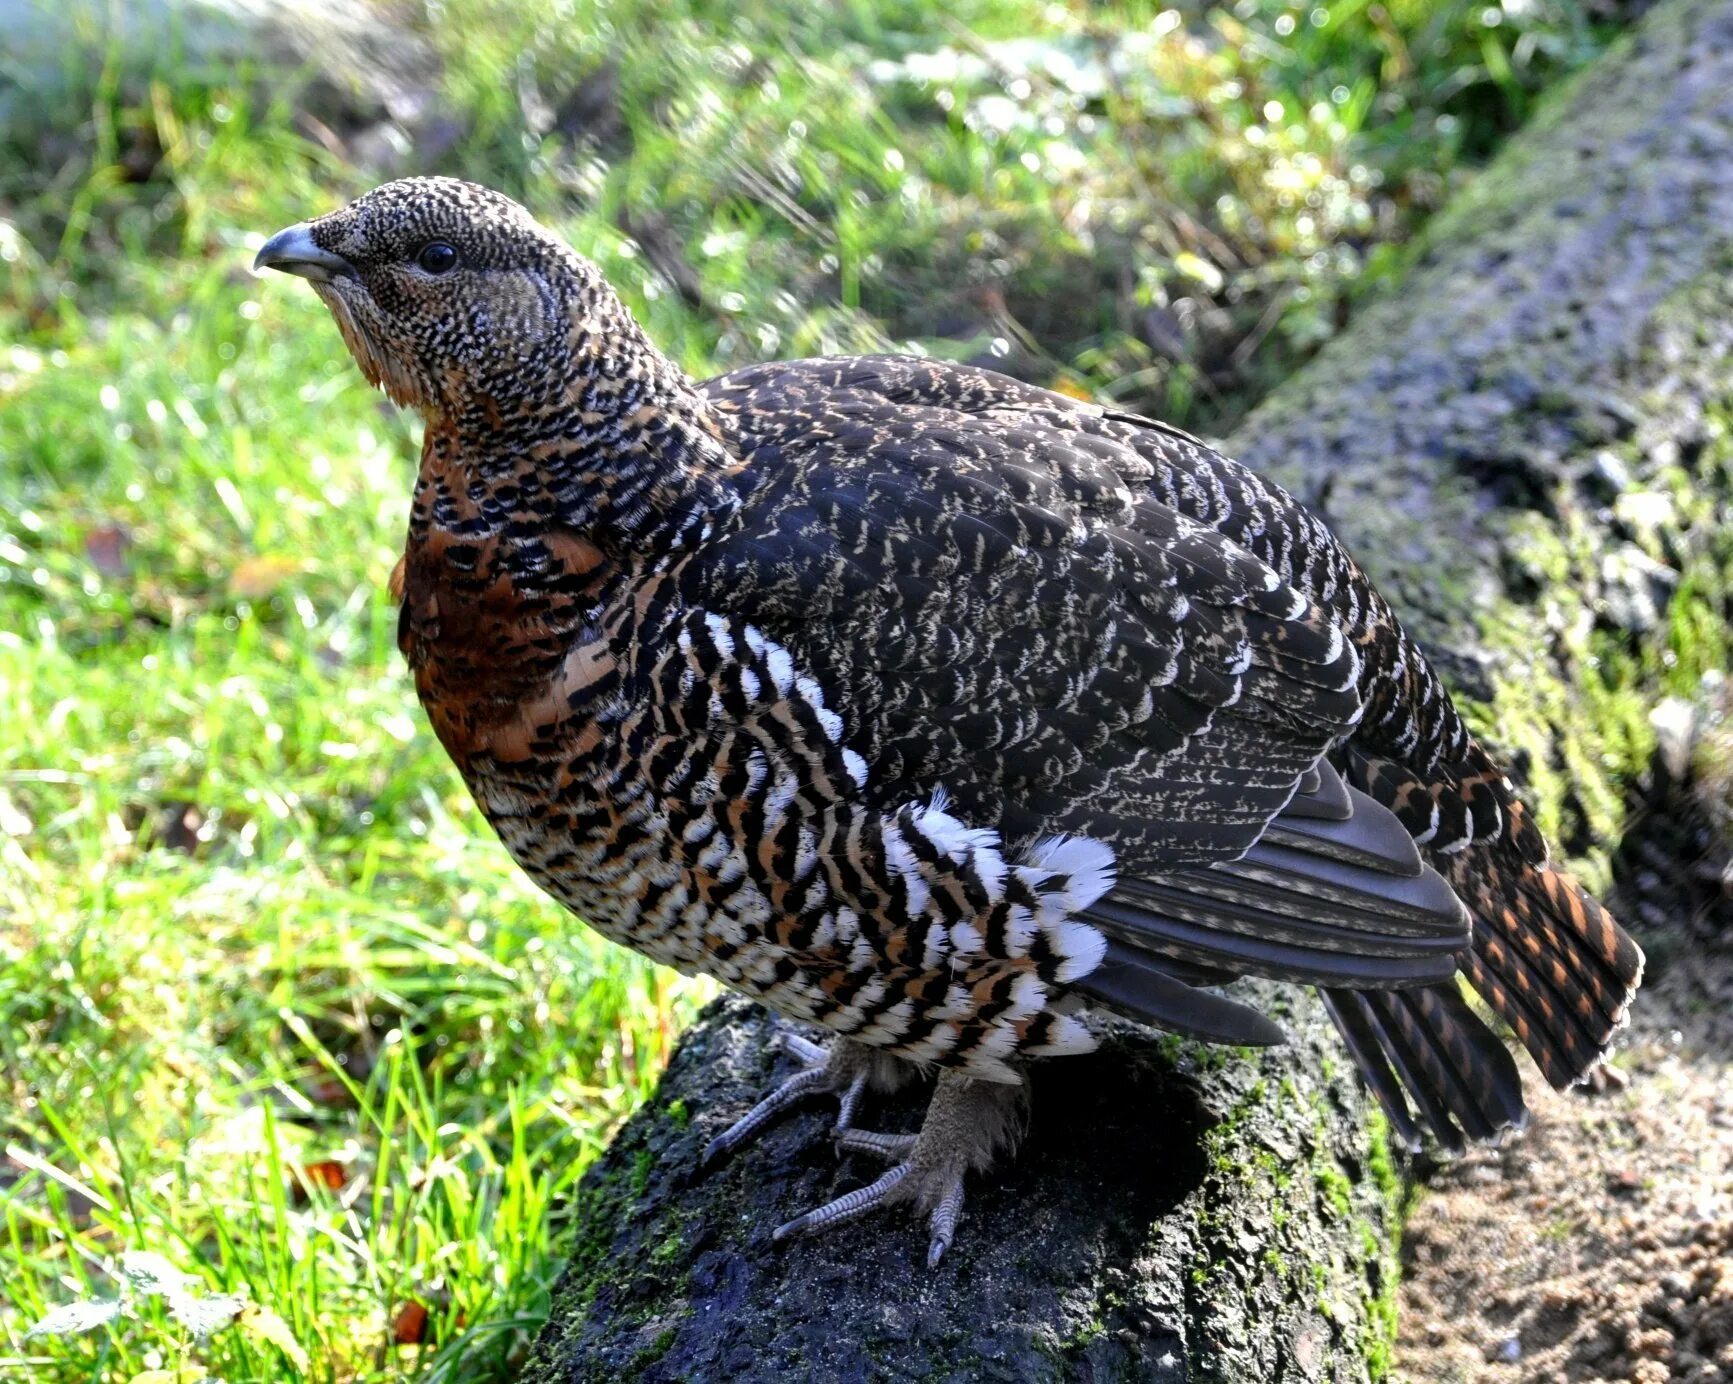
(521, 358)
(450, 296)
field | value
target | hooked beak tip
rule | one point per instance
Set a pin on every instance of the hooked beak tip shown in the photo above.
(293, 251)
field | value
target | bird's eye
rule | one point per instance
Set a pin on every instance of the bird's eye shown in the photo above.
(437, 257)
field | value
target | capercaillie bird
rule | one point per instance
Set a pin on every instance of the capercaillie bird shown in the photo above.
(937, 710)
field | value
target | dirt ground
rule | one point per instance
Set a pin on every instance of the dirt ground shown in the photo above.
(1598, 1245)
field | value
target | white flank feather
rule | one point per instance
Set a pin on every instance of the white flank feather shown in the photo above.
(1082, 946)
(1028, 996)
(1087, 863)
(1068, 1037)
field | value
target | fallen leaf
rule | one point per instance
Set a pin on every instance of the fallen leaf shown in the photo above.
(328, 1173)
(106, 547)
(326, 1090)
(411, 1324)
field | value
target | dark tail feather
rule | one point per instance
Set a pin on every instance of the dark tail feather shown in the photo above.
(1548, 959)
(1158, 990)
(1551, 962)
(1428, 1046)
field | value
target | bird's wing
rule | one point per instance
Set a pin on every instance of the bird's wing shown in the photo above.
(995, 613)
(1544, 955)
(996, 617)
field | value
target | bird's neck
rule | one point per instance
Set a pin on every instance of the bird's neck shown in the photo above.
(530, 522)
(617, 446)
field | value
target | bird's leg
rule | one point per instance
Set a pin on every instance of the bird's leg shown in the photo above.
(967, 1125)
(845, 1070)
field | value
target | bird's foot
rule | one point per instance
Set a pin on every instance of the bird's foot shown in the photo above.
(967, 1124)
(846, 1070)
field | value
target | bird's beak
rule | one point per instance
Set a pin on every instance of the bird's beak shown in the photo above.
(293, 251)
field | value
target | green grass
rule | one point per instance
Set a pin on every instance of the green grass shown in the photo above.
(253, 939)
(273, 1004)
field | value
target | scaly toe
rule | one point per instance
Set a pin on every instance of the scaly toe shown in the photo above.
(845, 1207)
(847, 1070)
(803, 1083)
(893, 1148)
(803, 1049)
(966, 1124)
(850, 1102)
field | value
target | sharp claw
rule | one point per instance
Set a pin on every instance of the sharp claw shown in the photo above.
(944, 1221)
(796, 1087)
(844, 1208)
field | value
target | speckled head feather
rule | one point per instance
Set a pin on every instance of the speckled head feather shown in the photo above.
(527, 367)
(458, 300)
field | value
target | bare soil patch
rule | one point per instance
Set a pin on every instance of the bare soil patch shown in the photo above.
(1598, 1246)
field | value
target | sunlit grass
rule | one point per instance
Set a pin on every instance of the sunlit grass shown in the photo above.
(272, 1001)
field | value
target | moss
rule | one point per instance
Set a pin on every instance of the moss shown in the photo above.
(1380, 1343)
(669, 1250)
(1081, 1337)
(1334, 1187)
(1585, 716)
(1380, 1248)
(1379, 1163)
(653, 1352)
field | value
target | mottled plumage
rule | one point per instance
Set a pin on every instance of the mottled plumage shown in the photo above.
(933, 708)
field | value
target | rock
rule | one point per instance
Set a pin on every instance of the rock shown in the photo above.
(1635, 589)
(350, 66)
(1674, 721)
(1609, 477)
(1141, 1234)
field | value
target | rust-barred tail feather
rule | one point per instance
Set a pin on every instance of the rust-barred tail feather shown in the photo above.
(1428, 1046)
(1551, 962)
(1547, 959)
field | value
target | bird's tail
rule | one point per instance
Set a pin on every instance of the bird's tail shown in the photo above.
(1428, 1046)
(1549, 960)
(1545, 957)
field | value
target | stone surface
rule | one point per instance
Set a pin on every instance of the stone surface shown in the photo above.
(1176, 1213)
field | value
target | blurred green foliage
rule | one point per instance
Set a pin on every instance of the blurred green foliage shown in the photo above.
(1172, 206)
(272, 1003)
